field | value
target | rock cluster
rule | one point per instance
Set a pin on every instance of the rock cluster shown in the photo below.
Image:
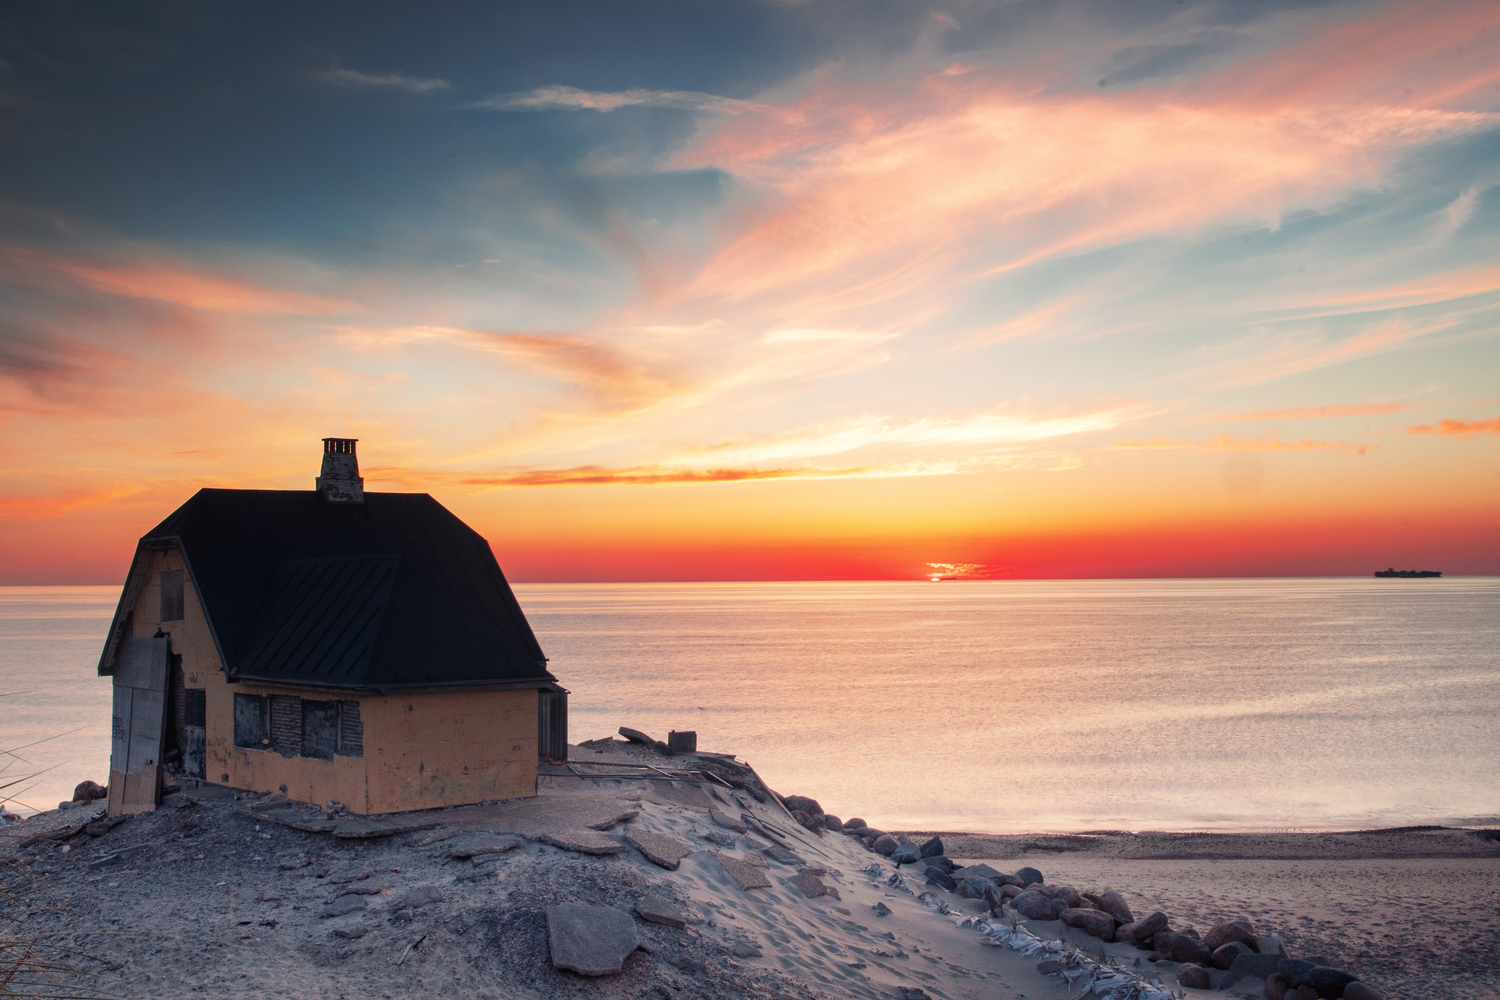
(1229, 951)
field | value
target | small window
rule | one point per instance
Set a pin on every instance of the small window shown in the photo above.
(194, 707)
(171, 596)
(251, 726)
(320, 729)
(351, 730)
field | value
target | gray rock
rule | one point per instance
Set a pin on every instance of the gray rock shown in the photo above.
(748, 876)
(885, 844)
(1221, 934)
(1066, 893)
(343, 905)
(1011, 891)
(1362, 991)
(1251, 965)
(1148, 927)
(1049, 966)
(975, 871)
(659, 849)
(1094, 923)
(1181, 948)
(1033, 905)
(468, 847)
(938, 861)
(1110, 902)
(1224, 955)
(727, 821)
(906, 855)
(1194, 977)
(810, 821)
(659, 910)
(351, 932)
(590, 940)
(1277, 987)
(1028, 876)
(417, 898)
(1270, 944)
(801, 803)
(833, 824)
(881, 910)
(974, 888)
(746, 949)
(812, 887)
(854, 824)
(938, 877)
(1010, 880)
(1328, 982)
(932, 848)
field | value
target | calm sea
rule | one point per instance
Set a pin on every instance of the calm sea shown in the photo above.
(990, 706)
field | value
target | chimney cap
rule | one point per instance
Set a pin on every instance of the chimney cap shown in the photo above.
(339, 446)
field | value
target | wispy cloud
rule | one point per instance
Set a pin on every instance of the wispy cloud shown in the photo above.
(1228, 443)
(1463, 429)
(1311, 412)
(559, 98)
(387, 81)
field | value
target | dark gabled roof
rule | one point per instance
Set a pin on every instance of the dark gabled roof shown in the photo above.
(395, 592)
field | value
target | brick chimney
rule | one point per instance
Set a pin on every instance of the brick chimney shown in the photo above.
(340, 481)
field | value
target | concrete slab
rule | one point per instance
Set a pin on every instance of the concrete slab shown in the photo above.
(659, 849)
(590, 940)
(747, 875)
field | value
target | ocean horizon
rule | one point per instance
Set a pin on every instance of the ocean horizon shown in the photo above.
(997, 706)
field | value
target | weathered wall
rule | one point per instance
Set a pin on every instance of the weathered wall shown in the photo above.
(421, 751)
(433, 750)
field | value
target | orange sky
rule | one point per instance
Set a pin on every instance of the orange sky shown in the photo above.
(1178, 293)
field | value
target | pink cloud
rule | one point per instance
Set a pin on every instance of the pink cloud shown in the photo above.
(1458, 428)
(1313, 412)
(1227, 443)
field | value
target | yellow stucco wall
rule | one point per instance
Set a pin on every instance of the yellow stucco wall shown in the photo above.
(446, 749)
(421, 750)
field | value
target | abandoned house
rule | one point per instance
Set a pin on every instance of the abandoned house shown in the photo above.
(328, 644)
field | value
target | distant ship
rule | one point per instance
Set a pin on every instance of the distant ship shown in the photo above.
(1407, 574)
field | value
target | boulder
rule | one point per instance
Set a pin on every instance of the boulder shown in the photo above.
(801, 803)
(659, 910)
(993, 896)
(974, 888)
(1362, 991)
(1094, 923)
(1225, 954)
(940, 862)
(1194, 977)
(1047, 966)
(659, 849)
(811, 821)
(1033, 905)
(936, 876)
(854, 824)
(1028, 876)
(1066, 893)
(1011, 891)
(1277, 987)
(881, 910)
(1181, 948)
(1328, 982)
(1270, 944)
(1221, 934)
(885, 844)
(1306, 992)
(932, 848)
(905, 855)
(975, 871)
(1148, 927)
(88, 791)
(1110, 902)
(832, 824)
(746, 949)
(1249, 964)
(590, 940)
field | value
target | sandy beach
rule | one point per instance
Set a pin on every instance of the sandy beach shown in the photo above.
(236, 895)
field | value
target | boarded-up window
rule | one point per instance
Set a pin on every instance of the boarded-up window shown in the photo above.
(251, 725)
(194, 707)
(351, 730)
(171, 596)
(286, 724)
(320, 729)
